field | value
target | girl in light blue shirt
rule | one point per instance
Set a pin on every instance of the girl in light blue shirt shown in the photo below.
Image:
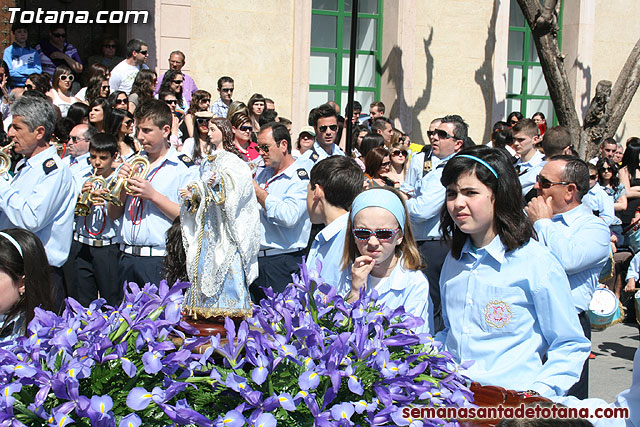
(506, 300)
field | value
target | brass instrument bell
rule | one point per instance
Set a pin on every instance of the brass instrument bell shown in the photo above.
(139, 167)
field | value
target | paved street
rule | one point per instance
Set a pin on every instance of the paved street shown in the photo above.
(610, 371)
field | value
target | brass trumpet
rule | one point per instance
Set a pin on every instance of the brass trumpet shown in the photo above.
(139, 167)
(5, 159)
(85, 200)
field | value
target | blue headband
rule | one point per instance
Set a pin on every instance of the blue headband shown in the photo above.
(482, 162)
(382, 198)
(13, 241)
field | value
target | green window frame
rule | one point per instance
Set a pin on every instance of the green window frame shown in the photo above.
(339, 86)
(524, 65)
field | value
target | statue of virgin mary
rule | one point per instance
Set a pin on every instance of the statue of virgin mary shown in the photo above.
(220, 231)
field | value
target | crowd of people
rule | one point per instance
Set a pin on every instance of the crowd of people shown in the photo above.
(497, 248)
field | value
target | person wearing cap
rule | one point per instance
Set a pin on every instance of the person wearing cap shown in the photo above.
(198, 152)
(305, 141)
(381, 253)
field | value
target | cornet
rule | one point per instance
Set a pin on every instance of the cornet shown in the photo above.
(85, 200)
(5, 159)
(139, 167)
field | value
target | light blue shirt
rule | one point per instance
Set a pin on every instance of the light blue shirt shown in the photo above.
(97, 225)
(312, 156)
(219, 109)
(529, 171)
(285, 220)
(429, 197)
(580, 241)
(414, 173)
(79, 167)
(173, 173)
(598, 200)
(634, 268)
(407, 288)
(41, 198)
(327, 247)
(506, 311)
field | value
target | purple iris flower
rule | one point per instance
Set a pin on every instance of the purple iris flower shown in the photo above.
(131, 420)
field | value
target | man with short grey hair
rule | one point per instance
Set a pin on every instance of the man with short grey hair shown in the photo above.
(176, 62)
(78, 160)
(40, 197)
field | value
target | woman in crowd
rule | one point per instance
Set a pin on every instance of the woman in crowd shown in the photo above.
(24, 281)
(99, 113)
(119, 100)
(256, 106)
(98, 88)
(241, 126)
(377, 163)
(369, 142)
(142, 89)
(170, 99)
(629, 174)
(172, 82)
(380, 253)
(94, 71)
(237, 107)
(79, 113)
(199, 103)
(198, 146)
(305, 141)
(541, 121)
(121, 126)
(398, 167)
(514, 118)
(504, 295)
(610, 182)
(39, 82)
(62, 81)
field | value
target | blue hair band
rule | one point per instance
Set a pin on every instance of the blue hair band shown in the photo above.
(13, 241)
(379, 197)
(482, 162)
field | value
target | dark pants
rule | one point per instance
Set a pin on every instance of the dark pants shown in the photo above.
(433, 253)
(275, 271)
(68, 271)
(96, 270)
(57, 289)
(140, 269)
(581, 388)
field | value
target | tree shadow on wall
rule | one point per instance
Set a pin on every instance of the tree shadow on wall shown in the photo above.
(484, 74)
(400, 109)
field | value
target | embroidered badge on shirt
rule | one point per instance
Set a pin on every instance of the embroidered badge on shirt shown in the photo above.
(314, 156)
(186, 160)
(302, 174)
(497, 314)
(49, 165)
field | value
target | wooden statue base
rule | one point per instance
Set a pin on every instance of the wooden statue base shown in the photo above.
(210, 326)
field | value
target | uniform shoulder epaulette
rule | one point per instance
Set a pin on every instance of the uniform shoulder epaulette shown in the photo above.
(186, 160)
(302, 174)
(88, 160)
(314, 155)
(49, 165)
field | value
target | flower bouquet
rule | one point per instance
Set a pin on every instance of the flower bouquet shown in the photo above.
(305, 358)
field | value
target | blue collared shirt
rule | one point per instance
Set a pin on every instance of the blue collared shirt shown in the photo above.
(312, 156)
(507, 311)
(41, 198)
(327, 247)
(581, 243)
(285, 220)
(424, 208)
(219, 109)
(403, 287)
(599, 201)
(97, 225)
(634, 268)
(151, 225)
(22, 61)
(529, 171)
(79, 167)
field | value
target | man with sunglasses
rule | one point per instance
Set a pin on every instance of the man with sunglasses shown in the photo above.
(78, 159)
(54, 51)
(220, 108)
(324, 120)
(21, 59)
(176, 62)
(123, 74)
(281, 191)
(428, 198)
(420, 163)
(578, 239)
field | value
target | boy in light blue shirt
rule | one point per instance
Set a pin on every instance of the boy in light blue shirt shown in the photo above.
(335, 182)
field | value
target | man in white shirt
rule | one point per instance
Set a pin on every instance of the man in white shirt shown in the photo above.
(123, 74)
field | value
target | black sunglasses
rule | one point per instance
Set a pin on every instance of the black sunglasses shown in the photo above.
(441, 134)
(595, 176)
(143, 52)
(246, 128)
(110, 45)
(382, 234)
(121, 101)
(228, 89)
(59, 35)
(177, 81)
(202, 121)
(264, 147)
(171, 101)
(399, 152)
(545, 183)
(323, 129)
